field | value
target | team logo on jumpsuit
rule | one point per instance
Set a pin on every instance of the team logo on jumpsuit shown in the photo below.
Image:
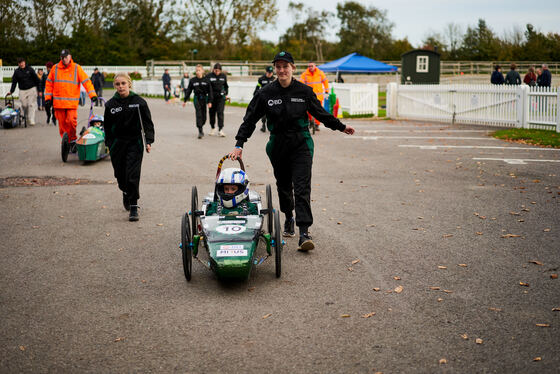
(272, 102)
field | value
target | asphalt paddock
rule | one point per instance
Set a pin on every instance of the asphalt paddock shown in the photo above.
(437, 249)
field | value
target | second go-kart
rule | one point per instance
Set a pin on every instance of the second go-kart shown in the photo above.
(10, 116)
(230, 236)
(90, 146)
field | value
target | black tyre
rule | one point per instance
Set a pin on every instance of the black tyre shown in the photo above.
(186, 248)
(64, 147)
(269, 207)
(194, 208)
(277, 244)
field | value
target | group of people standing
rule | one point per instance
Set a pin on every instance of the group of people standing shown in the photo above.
(209, 91)
(540, 77)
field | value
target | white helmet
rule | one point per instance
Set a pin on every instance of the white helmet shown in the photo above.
(236, 177)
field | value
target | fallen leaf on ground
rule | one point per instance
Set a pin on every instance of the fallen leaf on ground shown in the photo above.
(442, 267)
(434, 288)
(464, 336)
(462, 265)
(556, 309)
(399, 289)
(495, 309)
(524, 284)
(537, 359)
(251, 289)
(345, 316)
(35, 227)
(339, 223)
(553, 276)
(355, 262)
(447, 291)
(542, 324)
(159, 224)
(536, 262)
(368, 315)
(119, 339)
(514, 213)
(479, 233)
(439, 299)
(447, 235)
(442, 361)
(511, 236)
(479, 341)
(266, 316)
(108, 234)
(22, 348)
(350, 269)
(376, 289)
(546, 230)
(397, 278)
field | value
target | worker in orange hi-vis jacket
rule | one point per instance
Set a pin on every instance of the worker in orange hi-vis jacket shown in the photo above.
(62, 89)
(316, 79)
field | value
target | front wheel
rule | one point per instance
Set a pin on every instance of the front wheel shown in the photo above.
(186, 248)
(64, 147)
(194, 208)
(269, 208)
(277, 244)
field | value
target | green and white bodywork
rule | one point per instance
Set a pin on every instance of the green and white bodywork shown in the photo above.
(91, 144)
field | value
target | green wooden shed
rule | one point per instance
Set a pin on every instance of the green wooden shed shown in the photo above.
(420, 66)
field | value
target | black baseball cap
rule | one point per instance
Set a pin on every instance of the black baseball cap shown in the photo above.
(283, 56)
(217, 65)
(65, 52)
(269, 69)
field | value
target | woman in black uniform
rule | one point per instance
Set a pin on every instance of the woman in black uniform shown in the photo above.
(202, 97)
(285, 102)
(123, 136)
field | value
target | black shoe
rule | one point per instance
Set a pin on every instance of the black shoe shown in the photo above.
(200, 134)
(305, 243)
(289, 228)
(126, 202)
(133, 216)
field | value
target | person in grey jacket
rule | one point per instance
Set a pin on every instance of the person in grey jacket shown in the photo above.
(513, 77)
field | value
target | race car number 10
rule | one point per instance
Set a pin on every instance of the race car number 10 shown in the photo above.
(230, 229)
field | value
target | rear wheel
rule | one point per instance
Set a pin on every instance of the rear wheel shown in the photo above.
(186, 248)
(269, 207)
(194, 208)
(64, 147)
(277, 244)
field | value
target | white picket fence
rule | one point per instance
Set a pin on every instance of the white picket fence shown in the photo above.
(353, 98)
(507, 106)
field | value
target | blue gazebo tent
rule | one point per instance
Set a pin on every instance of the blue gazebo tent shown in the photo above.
(356, 63)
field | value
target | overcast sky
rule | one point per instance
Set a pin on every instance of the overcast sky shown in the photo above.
(416, 18)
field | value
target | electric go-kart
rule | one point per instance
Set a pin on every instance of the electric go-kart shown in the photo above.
(230, 241)
(11, 116)
(90, 146)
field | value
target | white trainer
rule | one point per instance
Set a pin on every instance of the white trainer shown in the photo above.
(212, 132)
(222, 134)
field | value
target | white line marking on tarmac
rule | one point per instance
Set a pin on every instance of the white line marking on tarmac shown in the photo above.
(476, 147)
(416, 137)
(425, 131)
(513, 161)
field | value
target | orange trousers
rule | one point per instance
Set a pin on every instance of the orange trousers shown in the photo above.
(67, 122)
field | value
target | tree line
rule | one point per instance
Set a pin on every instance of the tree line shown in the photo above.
(129, 32)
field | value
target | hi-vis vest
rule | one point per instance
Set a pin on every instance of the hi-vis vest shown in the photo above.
(316, 80)
(63, 85)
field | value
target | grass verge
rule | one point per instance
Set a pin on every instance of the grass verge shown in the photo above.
(545, 138)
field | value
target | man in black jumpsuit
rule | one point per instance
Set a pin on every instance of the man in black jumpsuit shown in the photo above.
(123, 136)
(203, 96)
(266, 78)
(285, 102)
(218, 80)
